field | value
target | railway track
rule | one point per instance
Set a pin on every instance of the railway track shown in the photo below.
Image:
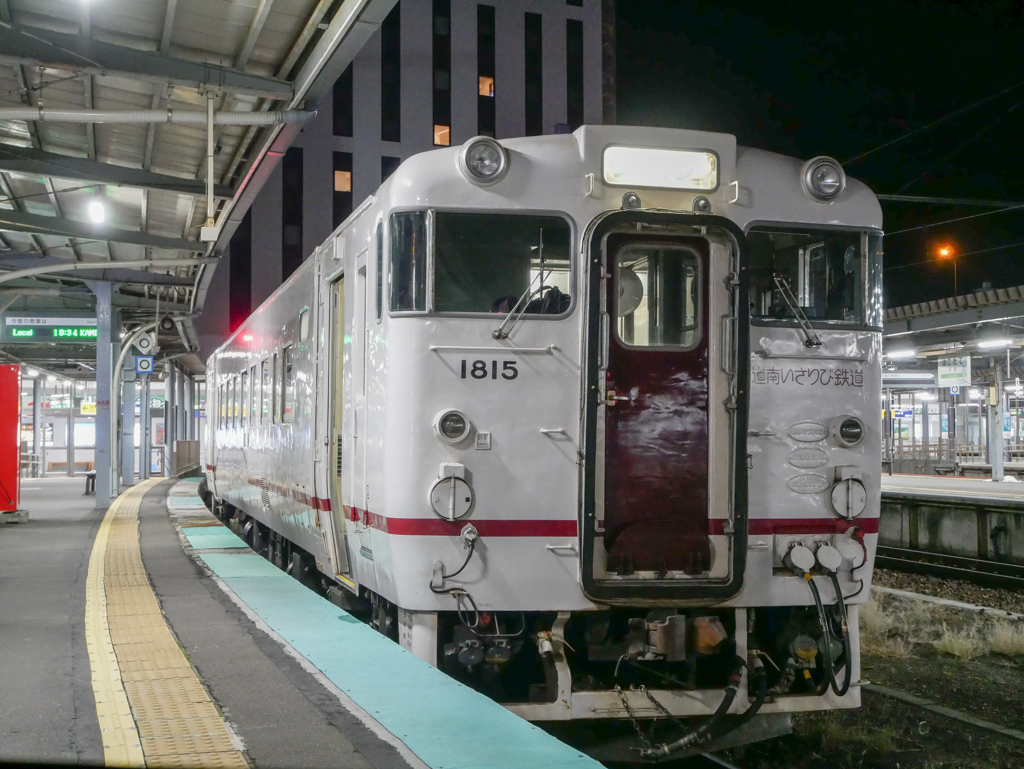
(994, 574)
(709, 761)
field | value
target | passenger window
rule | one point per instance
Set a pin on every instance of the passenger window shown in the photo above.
(223, 407)
(274, 378)
(657, 296)
(265, 391)
(304, 325)
(244, 397)
(254, 396)
(407, 280)
(287, 384)
(498, 263)
(380, 270)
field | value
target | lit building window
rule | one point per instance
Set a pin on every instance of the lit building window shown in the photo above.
(486, 86)
(343, 181)
(442, 136)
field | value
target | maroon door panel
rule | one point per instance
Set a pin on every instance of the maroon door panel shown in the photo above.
(656, 412)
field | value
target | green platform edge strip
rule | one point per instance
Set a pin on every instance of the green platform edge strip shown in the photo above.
(446, 724)
(212, 538)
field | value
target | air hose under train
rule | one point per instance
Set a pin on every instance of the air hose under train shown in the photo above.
(826, 634)
(709, 728)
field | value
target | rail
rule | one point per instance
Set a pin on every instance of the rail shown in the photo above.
(994, 574)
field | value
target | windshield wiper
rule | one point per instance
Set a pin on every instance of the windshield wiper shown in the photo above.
(500, 332)
(811, 339)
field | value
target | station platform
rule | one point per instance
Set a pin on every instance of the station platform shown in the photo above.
(979, 488)
(150, 635)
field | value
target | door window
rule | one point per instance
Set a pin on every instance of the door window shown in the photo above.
(657, 296)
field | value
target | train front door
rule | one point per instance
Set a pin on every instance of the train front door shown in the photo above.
(338, 545)
(657, 515)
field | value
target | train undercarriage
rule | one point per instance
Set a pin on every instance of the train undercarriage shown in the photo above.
(622, 683)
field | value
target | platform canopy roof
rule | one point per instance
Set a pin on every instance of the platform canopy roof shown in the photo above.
(987, 325)
(104, 113)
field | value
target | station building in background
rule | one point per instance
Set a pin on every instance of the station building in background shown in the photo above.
(437, 73)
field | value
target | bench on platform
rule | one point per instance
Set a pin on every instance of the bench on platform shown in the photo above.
(52, 466)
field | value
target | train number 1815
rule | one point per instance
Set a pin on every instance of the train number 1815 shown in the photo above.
(482, 369)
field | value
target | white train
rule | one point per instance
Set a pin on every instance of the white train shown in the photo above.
(588, 420)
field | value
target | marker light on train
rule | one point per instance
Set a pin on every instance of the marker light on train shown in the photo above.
(483, 161)
(247, 337)
(452, 426)
(664, 168)
(850, 431)
(823, 178)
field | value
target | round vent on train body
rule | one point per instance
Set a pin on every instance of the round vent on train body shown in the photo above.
(451, 498)
(848, 498)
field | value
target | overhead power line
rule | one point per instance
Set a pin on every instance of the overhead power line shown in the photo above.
(944, 201)
(958, 256)
(958, 219)
(942, 119)
(964, 144)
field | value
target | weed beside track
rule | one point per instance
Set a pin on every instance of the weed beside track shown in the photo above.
(968, 661)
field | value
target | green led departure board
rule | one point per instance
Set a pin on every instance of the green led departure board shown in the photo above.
(73, 333)
(49, 329)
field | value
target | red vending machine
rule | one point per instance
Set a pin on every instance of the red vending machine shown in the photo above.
(10, 444)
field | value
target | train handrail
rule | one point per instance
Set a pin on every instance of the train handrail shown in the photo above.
(549, 350)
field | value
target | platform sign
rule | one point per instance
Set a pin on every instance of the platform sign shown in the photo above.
(955, 371)
(954, 390)
(902, 413)
(144, 364)
(44, 328)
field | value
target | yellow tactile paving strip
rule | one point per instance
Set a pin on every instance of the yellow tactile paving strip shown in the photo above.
(152, 709)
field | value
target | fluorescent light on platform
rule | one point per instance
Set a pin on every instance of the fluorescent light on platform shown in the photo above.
(924, 396)
(990, 344)
(896, 354)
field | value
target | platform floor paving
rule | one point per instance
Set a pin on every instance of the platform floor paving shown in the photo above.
(981, 488)
(150, 635)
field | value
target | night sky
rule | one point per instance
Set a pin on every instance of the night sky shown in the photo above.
(841, 79)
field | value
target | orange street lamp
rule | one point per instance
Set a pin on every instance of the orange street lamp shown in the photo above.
(946, 251)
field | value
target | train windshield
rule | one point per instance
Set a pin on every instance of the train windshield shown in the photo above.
(828, 276)
(493, 262)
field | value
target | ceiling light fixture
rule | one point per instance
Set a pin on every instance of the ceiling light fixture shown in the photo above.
(96, 211)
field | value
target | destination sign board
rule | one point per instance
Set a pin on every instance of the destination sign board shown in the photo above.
(42, 328)
(70, 333)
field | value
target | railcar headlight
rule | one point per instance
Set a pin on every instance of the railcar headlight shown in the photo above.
(483, 161)
(452, 426)
(848, 431)
(823, 178)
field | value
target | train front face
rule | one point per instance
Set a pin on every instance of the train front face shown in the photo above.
(651, 366)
